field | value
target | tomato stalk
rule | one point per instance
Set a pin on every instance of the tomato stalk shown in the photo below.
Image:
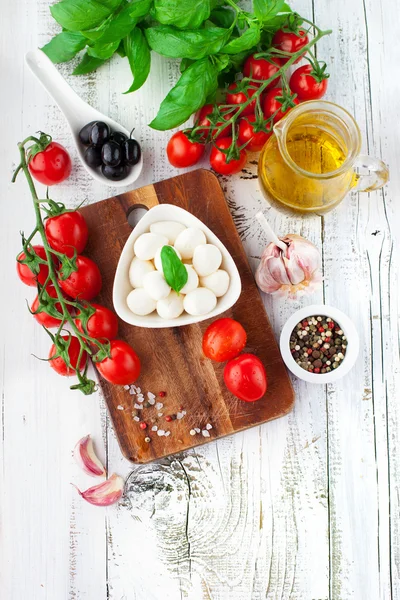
(87, 386)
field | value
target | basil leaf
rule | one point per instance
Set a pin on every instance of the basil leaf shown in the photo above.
(189, 94)
(138, 53)
(281, 17)
(174, 270)
(247, 40)
(87, 65)
(139, 8)
(185, 63)
(76, 15)
(174, 43)
(187, 14)
(103, 51)
(64, 46)
(223, 16)
(265, 10)
(115, 27)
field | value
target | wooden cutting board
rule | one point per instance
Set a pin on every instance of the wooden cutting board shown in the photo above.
(172, 359)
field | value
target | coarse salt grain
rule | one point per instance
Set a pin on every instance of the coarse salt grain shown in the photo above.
(150, 395)
(205, 433)
(138, 390)
(126, 387)
(159, 405)
(120, 407)
(154, 428)
(197, 429)
(167, 433)
(180, 415)
(132, 392)
(140, 399)
(136, 419)
(151, 401)
(160, 432)
(160, 414)
(192, 432)
(138, 406)
(208, 426)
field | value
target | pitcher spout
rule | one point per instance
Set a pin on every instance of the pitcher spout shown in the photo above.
(279, 129)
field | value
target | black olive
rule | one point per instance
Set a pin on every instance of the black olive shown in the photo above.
(99, 133)
(93, 156)
(111, 154)
(118, 136)
(131, 152)
(114, 173)
(85, 133)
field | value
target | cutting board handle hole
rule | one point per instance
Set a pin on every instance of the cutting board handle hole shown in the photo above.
(135, 213)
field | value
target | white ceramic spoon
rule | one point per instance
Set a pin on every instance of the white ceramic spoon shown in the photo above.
(77, 113)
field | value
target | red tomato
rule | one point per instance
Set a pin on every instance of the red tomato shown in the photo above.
(182, 152)
(67, 232)
(52, 165)
(218, 159)
(305, 85)
(288, 41)
(205, 122)
(102, 324)
(59, 365)
(42, 317)
(245, 377)
(224, 339)
(85, 283)
(260, 68)
(26, 275)
(246, 134)
(240, 98)
(123, 367)
(272, 104)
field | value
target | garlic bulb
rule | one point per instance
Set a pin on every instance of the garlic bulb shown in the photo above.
(293, 271)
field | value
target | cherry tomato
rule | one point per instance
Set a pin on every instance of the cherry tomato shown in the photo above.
(260, 68)
(26, 275)
(42, 317)
(102, 324)
(205, 122)
(85, 283)
(52, 165)
(238, 97)
(218, 159)
(123, 367)
(245, 377)
(272, 104)
(305, 85)
(246, 134)
(182, 152)
(288, 41)
(67, 232)
(58, 363)
(224, 339)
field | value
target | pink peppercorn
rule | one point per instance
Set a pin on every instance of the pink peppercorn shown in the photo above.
(143, 425)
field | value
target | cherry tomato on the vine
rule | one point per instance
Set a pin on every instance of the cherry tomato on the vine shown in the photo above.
(182, 152)
(123, 367)
(256, 140)
(289, 41)
(261, 68)
(245, 377)
(102, 324)
(59, 364)
(43, 318)
(218, 159)
(202, 120)
(224, 339)
(305, 85)
(26, 275)
(235, 96)
(85, 283)
(52, 165)
(67, 232)
(272, 104)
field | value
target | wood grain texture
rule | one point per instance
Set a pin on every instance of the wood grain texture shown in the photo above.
(303, 508)
(172, 359)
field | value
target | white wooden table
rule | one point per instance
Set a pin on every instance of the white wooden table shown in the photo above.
(303, 508)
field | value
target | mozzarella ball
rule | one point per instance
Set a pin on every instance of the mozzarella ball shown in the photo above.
(170, 229)
(156, 286)
(217, 282)
(137, 270)
(192, 282)
(147, 245)
(170, 307)
(140, 303)
(188, 240)
(200, 302)
(157, 258)
(206, 259)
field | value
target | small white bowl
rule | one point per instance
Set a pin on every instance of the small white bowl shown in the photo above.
(122, 286)
(347, 326)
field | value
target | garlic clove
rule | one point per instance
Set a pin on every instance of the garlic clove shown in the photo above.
(106, 493)
(86, 458)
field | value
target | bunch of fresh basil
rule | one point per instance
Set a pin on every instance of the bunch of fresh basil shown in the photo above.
(212, 37)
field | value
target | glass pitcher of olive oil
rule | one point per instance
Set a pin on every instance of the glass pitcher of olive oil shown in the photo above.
(310, 162)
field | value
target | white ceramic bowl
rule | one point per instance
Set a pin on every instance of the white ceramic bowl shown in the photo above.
(349, 330)
(122, 286)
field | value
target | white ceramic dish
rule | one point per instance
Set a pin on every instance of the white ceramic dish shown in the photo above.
(76, 112)
(122, 286)
(347, 326)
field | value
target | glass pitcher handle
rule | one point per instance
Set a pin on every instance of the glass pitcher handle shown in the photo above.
(376, 178)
